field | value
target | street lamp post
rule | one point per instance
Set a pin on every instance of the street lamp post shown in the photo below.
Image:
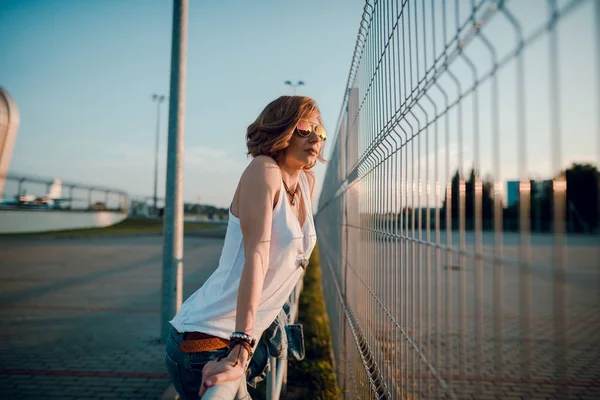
(172, 284)
(294, 85)
(158, 99)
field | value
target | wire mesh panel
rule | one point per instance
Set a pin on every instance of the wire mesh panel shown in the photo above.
(458, 224)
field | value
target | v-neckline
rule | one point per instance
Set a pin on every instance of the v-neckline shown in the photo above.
(287, 201)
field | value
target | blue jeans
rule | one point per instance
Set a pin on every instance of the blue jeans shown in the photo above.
(185, 369)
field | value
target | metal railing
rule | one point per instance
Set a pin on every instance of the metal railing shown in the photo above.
(277, 374)
(31, 192)
(456, 263)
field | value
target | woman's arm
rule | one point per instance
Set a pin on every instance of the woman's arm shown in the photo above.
(258, 188)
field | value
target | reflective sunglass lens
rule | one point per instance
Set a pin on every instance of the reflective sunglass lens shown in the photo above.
(321, 133)
(303, 128)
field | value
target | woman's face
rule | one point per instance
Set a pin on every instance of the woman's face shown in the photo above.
(303, 151)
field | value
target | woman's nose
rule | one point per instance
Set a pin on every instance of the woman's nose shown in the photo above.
(315, 138)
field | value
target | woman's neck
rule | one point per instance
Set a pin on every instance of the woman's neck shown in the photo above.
(290, 175)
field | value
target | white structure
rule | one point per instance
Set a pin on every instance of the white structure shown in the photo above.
(28, 221)
(9, 124)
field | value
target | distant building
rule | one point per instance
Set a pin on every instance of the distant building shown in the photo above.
(512, 193)
(139, 208)
(538, 190)
(9, 124)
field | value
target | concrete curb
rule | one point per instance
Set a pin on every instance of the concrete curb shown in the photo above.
(208, 233)
(77, 237)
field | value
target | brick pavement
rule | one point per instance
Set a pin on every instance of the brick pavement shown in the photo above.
(80, 317)
(534, 361)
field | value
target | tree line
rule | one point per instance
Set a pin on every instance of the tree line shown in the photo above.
(580, 211)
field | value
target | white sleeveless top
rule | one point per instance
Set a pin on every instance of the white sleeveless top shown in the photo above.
(211, 309)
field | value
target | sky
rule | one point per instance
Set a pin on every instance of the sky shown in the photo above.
(82, 74)
(543, 122)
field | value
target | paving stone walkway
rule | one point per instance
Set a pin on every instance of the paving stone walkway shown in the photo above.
(80, 318)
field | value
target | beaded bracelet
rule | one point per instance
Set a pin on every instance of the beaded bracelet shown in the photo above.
(244, 337)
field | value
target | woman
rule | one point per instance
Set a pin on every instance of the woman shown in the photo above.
(269, 239)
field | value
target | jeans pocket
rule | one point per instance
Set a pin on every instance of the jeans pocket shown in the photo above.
(173, 370)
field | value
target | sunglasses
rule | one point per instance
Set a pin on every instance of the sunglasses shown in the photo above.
(305, 128)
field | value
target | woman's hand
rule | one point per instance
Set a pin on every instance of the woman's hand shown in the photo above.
(228, 369)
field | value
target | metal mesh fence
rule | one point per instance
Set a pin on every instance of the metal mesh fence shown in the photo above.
(459, 219)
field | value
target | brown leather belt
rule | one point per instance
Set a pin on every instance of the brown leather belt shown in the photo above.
(195, 342)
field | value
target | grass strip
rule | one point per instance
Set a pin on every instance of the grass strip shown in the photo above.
(314, 377)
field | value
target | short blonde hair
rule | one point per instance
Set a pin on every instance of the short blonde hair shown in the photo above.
(270, 134)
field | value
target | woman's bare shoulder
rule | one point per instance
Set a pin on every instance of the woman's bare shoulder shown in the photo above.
(312, 177)
(263, 160)
(312, 182)
(262, 170)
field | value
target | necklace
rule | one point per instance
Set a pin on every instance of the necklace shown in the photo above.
(292, 195)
